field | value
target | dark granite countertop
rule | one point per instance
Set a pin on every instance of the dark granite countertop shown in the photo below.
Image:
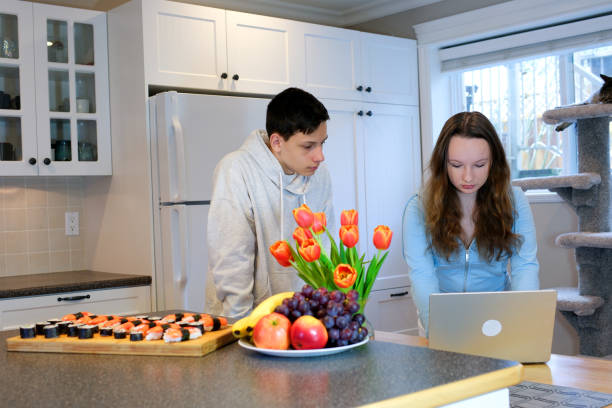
(59, 282)
(233, 376)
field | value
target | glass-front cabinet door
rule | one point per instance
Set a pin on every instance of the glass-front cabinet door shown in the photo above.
(71, 91)
(18, 155)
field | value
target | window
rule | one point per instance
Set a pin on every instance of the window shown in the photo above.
(514, 95)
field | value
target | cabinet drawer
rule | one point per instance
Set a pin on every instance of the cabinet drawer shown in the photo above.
(27, 310)
(392, 310)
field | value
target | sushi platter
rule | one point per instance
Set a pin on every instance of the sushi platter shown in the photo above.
(186, 334)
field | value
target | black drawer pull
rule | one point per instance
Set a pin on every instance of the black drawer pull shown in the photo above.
(72, 298)
(398, 294)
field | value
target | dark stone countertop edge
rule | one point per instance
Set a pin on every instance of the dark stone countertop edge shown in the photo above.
(136, 280)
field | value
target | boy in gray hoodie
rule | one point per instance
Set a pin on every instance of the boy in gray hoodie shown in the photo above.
(255, 190)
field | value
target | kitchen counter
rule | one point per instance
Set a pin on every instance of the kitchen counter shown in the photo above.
(233, 376)
(57, 282)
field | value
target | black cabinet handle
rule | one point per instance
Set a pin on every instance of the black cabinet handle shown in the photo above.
(369, 113)
(47, 161)
(368, 89)
(224, 75)
(73, 298)
(32, 161)
(398, 294)
(360, 88)
(360, 113)
(235, 77)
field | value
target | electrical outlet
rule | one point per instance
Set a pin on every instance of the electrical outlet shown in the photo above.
(72, 223)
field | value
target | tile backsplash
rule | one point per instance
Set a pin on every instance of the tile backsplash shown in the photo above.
(32, 225)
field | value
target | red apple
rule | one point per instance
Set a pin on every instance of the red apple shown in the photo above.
(307, 333)
(272, 332)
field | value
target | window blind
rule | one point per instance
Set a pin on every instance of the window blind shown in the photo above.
(544, 41)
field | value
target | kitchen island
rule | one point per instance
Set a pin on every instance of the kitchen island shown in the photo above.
(378, 372)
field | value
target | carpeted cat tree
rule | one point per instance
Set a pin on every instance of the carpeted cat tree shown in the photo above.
(588, 307)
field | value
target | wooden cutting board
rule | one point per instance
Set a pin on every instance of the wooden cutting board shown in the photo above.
(208, 343)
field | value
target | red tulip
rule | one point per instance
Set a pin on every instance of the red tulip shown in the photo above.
(349, 235)
(382, 237)
(310, 250)
(303, 216)
(301, 234)
(282, 253)
(349, 217)
(319, 223)
(344, 275)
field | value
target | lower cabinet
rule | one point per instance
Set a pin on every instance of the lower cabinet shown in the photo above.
(29, 310)
(392, 310)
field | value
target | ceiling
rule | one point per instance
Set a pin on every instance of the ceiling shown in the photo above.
(330, 12)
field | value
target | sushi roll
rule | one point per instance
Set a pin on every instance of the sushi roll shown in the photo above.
(106, 331)
(119, 333)
(62, 327)
(54, 321)
(194, 333)
(154, 333)
(39, 328)
(198, 325)
(86, 332)
(173, 335)
(27, 332)
(136, 336)
(51, 331)
(73, 329)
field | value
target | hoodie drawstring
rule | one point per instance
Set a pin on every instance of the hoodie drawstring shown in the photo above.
(282, 210)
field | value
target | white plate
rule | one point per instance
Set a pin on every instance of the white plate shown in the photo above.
(300, 353)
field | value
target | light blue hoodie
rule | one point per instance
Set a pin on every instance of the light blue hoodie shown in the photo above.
(466, 271)
(251, 208)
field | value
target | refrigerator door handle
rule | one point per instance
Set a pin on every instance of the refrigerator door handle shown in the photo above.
(177, 131)
(181, 279)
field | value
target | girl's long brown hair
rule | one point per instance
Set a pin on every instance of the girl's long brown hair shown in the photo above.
(494, 211)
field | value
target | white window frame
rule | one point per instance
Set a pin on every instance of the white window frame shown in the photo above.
(436, 89)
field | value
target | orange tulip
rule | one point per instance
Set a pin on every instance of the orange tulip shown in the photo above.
(344, 275)
(301, 234)
(319, 223)
(349, 217)
(303, 216)
(349, 235)
(382, 237)
(310, 250)
(282, 253)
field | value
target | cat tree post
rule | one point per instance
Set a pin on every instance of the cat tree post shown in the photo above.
(588, 307)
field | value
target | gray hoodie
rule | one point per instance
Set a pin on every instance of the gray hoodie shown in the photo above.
(250, 189)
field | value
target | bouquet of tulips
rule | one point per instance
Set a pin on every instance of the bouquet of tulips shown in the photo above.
(343, 269)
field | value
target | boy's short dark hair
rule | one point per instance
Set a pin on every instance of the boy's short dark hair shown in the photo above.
(294, 110)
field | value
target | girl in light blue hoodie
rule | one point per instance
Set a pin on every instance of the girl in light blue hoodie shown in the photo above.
(469, 230)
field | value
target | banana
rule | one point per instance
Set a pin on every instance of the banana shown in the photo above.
(244, 326)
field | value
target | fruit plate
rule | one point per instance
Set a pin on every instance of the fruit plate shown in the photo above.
(301, 353)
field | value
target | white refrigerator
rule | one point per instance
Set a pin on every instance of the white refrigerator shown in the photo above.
(190, 133)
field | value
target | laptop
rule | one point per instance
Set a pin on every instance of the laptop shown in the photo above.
(511, 325)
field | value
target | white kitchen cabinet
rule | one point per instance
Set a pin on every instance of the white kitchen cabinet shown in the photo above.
(392, 310)
(365, 141)
(351, 65)
(56, 71)
(191, 46)
(72, 97)
(31, 309)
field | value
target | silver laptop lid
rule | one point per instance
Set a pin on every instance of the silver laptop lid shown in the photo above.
(512, 325)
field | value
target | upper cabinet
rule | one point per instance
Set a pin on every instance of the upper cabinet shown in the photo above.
(190, 46)
(345, 64)
(54, 102)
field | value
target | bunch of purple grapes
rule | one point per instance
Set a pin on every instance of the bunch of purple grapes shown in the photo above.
(336, 310)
